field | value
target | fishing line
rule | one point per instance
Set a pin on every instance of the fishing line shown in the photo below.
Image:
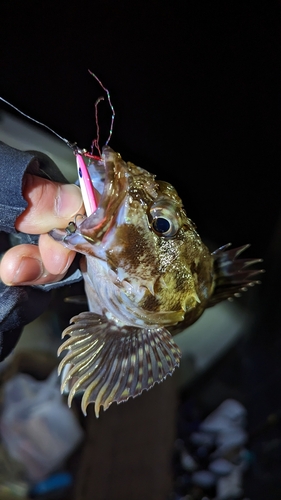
(69, 144)
(89, 194)
(73, 146)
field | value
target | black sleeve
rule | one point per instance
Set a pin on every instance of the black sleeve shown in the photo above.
(21, 305)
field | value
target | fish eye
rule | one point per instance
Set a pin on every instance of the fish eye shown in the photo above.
(164, 218)
(164, 226)
(161, 225)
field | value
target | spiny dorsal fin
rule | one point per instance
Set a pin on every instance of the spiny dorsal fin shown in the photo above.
(232, 275)
(112, 364)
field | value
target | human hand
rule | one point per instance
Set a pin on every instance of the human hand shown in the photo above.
(50, 205)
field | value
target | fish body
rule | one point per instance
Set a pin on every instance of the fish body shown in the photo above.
(147, 275)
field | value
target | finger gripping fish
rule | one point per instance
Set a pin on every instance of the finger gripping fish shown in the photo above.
(147, 276)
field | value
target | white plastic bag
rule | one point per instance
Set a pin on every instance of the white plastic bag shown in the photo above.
(36, 426)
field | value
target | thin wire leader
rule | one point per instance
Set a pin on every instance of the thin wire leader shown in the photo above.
(110, 104)
(95, 143)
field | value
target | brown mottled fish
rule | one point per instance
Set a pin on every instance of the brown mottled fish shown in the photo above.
(147, 276)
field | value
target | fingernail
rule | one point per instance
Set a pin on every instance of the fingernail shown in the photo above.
(69, 201)
(29, 270)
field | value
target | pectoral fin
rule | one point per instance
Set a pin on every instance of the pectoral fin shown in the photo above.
(112, 364)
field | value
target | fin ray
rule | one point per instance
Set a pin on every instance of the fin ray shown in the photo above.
(232, 274)
(111, 363)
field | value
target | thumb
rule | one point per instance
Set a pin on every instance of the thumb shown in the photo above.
(50, 205)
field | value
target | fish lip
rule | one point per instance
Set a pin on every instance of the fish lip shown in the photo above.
(115, 174)
(108, 152)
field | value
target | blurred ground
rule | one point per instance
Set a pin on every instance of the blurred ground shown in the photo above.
(249, 372)
(245, 375)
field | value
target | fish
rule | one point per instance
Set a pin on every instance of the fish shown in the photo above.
(147, 276)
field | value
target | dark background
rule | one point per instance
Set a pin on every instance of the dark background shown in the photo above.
(195, 86)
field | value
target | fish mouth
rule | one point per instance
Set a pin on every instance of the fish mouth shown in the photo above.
(113, 179)
(115, 188)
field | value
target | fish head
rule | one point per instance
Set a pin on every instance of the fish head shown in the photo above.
(154, 259)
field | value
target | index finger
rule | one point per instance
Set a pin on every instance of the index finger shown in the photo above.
(50, 205)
